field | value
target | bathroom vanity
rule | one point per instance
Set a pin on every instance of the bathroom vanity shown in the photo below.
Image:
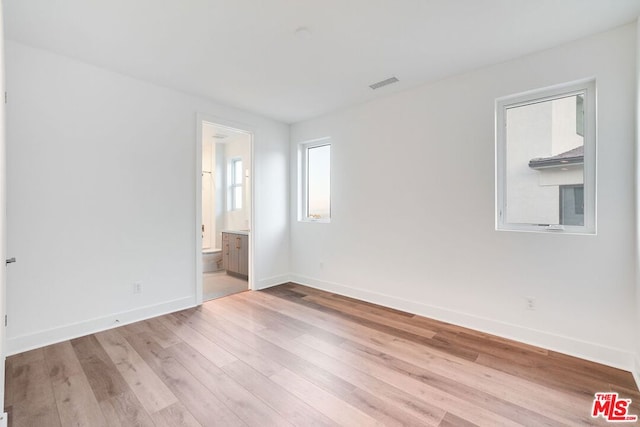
(235, 253)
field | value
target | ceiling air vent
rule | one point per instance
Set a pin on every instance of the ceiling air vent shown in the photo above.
(383, 83)
(220, 136)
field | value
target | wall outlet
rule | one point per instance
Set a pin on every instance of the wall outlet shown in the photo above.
(321, 265)
(530, 303)
(137, 288)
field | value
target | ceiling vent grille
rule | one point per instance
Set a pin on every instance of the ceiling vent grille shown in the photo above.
(220, 136)
(386, 82)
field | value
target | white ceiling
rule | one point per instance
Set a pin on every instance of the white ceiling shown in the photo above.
(244, 53)
(215, 133)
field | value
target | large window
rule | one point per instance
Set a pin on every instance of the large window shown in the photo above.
(545, 160)
(315, 174)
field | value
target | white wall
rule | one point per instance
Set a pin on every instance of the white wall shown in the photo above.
(208, 188)
(413, 209)
(101, 194)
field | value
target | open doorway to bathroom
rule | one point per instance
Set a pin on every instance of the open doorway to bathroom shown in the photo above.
(226, 210)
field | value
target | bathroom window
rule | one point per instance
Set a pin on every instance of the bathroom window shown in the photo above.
(315, 178)
(235, 186)
(546, 160)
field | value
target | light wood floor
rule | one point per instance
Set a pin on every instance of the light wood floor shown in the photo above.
(292, 355)
(220, 284)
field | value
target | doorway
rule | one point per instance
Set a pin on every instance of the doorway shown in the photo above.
(225, 209)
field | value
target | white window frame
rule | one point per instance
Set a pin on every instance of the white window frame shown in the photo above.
(233, 184)
(588, 87)
(303, 179)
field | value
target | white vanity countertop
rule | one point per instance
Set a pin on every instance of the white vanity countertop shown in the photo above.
(244, 232)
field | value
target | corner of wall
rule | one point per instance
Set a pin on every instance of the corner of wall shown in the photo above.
(272, 281)
(636, 370)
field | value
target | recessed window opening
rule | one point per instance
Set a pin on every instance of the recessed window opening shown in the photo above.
(315, 174)
(546, 165)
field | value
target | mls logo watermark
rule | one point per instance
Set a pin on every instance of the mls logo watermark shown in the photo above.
(611, 408)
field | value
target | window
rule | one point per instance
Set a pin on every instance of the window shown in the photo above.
(315, 177)
(572, 204)
(235, 185)
(545, 160)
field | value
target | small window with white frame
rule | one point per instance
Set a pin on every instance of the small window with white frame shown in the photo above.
(546, 160)
(235, 177)
(315, 180)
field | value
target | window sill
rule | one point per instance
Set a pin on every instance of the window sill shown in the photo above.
(309, 220)
(567, 230)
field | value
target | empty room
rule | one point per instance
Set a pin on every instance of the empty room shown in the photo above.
(353, 213)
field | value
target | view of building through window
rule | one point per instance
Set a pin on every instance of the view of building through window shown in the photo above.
(545, 162)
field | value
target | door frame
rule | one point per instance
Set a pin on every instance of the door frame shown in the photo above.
(3, 219)
(201, 119)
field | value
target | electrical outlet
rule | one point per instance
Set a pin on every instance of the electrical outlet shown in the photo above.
(137, 288)
(321, 265)
(530, 303)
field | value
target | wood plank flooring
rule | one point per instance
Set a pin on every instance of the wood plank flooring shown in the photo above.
(220, 284)
(292, 355)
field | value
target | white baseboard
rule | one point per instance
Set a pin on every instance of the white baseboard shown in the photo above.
(54, 335)
(636, 370)
(594, 352)
(272, 281)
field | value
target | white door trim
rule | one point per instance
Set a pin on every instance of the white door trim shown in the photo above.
(202, 118)
(3, 217)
